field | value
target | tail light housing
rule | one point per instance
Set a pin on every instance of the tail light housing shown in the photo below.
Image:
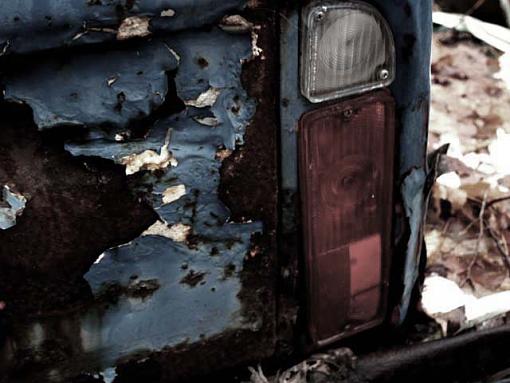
(346, 172)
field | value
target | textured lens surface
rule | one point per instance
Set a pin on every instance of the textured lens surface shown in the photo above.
(345, 49)
(346, 174)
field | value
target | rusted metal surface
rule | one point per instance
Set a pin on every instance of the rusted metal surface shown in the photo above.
(169, 112)
(150, 172)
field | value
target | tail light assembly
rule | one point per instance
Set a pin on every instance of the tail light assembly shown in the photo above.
(346, 150)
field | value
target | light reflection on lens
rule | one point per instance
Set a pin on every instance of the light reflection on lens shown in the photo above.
(345, 51)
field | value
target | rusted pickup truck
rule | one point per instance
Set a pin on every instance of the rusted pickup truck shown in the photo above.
(195, 186)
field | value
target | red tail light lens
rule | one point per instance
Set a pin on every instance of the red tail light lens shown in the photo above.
(346, 154)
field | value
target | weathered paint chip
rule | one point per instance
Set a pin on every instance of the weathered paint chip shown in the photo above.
(111, 81)
(177, 233)
(207, 121)
(255, 49)
(223, 154)
(83, 92)
(235, 24)
(173, 193)
(134, 26)
(12, 205)
(149, 159)
(208, 98)
(168, 13)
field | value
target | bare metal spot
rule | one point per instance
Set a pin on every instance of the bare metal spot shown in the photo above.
(177, 233)
(134, 26)
(208, 98)
(173, 193)
(149, 159)
(235, 24)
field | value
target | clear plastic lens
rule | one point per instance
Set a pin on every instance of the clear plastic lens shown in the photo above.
(347, 48)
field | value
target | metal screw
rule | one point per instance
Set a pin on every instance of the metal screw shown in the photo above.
(348, 113)
(320, 15)
(384, 74)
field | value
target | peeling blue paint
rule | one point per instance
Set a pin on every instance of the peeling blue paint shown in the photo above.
(94, 89)
(34, 25)
(176, 312)
(11, 206)
(413, 192)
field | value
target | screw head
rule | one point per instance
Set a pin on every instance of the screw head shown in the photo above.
(319, 15)
(348, 112)
(384, 74)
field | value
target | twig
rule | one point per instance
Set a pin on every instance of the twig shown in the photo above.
(466, 229)
(501, 244)
(491, 202)
(471, 10)
(477, 5)
(478, 240)
(498, 200)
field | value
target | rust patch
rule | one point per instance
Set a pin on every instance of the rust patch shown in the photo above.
(111, 292)
(71, 202)
(193, 278)
(229, 271)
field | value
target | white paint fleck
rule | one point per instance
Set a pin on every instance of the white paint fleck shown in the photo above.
(111, 81)
(207, 121)
(235, 24)
(177, 233)
(134, 26)
(256, 51)
(173, 193)
(99, 259)
(168, 13)
(149, 159)
(174, 53)
(208, 98)
(109, 375)
(5, 48)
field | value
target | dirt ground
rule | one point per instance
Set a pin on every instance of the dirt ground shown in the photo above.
(467, 232)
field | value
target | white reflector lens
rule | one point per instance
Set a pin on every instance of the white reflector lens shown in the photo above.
(347, 48)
